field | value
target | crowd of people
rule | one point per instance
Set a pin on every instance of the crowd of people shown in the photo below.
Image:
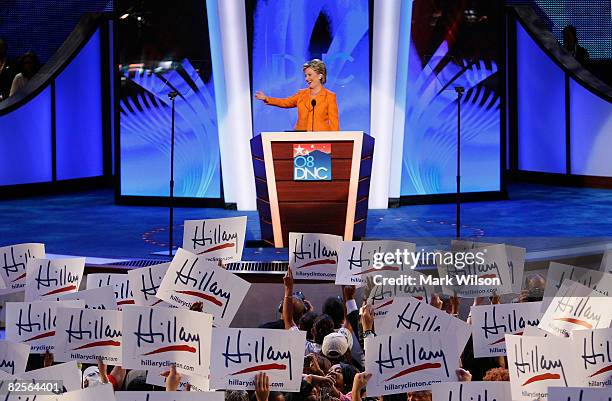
(15, 75)
(333, 364)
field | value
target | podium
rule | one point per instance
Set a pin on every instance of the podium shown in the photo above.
(312, 182)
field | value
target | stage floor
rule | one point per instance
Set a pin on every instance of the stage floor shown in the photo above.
(90, 224)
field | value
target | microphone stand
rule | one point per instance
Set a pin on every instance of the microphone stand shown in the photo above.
(313, 102)
(172, 96)
(460, 90)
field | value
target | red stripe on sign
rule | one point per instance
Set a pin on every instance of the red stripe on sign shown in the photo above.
(103, 343)
(269, 366)
(19, 278)
(384, 268)
(416, 368)
(126, 302)
(544, 376)
(201, 295)
(318, 262)
(602, 370)
(217, 247)
(575, 321)
(181, 347)
(63, 289)
(43, 335)
(389, 302)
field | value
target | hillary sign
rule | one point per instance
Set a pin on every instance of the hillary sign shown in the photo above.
(312, 162)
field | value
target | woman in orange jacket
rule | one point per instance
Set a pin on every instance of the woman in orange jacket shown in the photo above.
(314, 103)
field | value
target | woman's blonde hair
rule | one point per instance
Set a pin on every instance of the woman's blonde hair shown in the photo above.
(317, 66)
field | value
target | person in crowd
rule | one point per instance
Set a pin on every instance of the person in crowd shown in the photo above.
(322, 326)
(306, 324)
(316, 364)
(298, 309)
(336, 347)
(570, 43)
(28, 67)
(7, 72)
(496, 375)
(317, 106)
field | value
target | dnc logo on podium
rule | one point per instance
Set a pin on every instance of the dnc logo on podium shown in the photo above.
(312, 162)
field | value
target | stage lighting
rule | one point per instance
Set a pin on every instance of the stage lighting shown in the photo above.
(124, 16)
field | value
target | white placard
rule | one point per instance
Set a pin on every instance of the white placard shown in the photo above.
(216, 239)
(95, 298)
(536, 363)
(87, 335)
(13, 261)
(532, 331)
(191, 278)
(488, 274)
(408, 362)
(491, 322)
(357, 259)
(120, 282)
(239, 354)
(13, 357)
(34, 323)
(314, 256)
(595, 350)
(196, 383)
(145, 282)
(46, 278)
(69, 373)
(579, 394)
(169, 396)
(558, 272)
(411, 315)
(515, 255)
(576, 307)
(101, 392)
(472, 391)
(397, 285)
(155, 338)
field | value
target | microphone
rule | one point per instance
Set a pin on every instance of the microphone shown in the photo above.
(313, 102)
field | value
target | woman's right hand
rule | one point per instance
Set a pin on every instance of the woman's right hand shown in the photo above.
(260, 95)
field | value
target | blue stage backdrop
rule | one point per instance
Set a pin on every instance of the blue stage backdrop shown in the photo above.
(452, 44)
(161, 49)
(283, 34)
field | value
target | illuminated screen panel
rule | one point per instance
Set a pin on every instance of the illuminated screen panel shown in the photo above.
(25, 142)
(78, 105)
(284, 34)
(590, 132)
(168, 48)
(444, 54)
(541, 108)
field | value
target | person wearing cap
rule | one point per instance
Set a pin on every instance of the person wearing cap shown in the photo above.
(336, 347)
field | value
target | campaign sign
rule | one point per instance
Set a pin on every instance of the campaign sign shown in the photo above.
(576, 307)
(491, 322)
(94, 298)
(187, 383)
(168, 396)
(485, 277)
(87, 335)
(100, 392)
(312, 162)
(145, 283)
(34, 323)
(156, 338)
(406, 362)
(595, 350)
(191, 278)
(536, 363)
(13, 261)
(514, 254)
(216, 239)
(398, 284)
(314, 256)
(68, 373)
(410, 314)
(120, 282)
(46, 278)
(239, 354)
(598, 281)
(358, 259)
(13, 357)
(471, 391)
(579, 394)
(533, 331)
